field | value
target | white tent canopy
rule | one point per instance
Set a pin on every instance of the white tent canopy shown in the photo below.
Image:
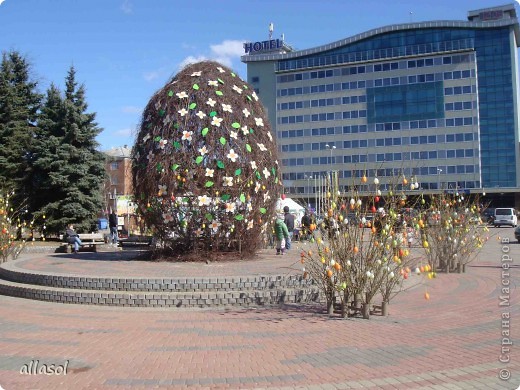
(294, 208)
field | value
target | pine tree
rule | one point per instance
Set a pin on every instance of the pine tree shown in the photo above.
(68, 168)
(19, 106)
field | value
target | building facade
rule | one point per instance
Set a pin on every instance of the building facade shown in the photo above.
(436, 102)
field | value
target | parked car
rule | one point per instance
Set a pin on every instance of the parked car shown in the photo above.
(517, 233)
(505, 216)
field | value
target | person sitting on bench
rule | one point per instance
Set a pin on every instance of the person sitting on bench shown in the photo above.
(72, 238)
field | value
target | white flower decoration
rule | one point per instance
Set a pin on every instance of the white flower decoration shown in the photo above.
(230, 207)
(233, 134)
(259, 122)
(253, 165)
(257, 187)
(245, 130)
(267, 196)
(162, 143)
(216, 121)
(249, 207)
(167, 120)
(246, 112)
(211, 102)
(232, 155)
(146, 137)
(266, 173)
(254, 96)
(198, 232)
(270, 136)
(209, 172)
(150, 155)
(182, 95)
(221, 70)
(262, 147)
(200, 114)
(167, 217)
(186, 135)
(228, 181)
(204, 200)
(215, 225)
(237, 89)
(227, 107)
(183, 112)
(195, 74)
(203, 150)
(250, 224)
(162, 190)
(213, 83)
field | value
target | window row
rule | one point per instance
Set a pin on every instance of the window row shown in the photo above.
(322, 102)
(459, 106)
(381, 67)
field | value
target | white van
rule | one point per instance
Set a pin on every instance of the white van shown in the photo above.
(505, 216)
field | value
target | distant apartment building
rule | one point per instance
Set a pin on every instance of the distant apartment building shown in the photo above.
(436, 101)
(118, 186)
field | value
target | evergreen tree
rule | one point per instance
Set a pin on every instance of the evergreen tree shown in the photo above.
(19, 106)
(68, 168)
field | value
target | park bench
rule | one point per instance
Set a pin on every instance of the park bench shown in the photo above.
(91, 240)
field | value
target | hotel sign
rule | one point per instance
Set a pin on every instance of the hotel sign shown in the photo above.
(263, 46)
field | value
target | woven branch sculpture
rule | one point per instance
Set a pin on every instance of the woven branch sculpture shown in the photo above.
(205, 166)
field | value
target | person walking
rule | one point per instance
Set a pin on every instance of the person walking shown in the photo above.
(73, 238)
(112, 224)
(281, 234)
(289, 222)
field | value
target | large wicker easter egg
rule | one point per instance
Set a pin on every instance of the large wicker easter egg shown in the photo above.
(206, 173)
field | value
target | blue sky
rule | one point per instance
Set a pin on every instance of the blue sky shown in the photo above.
(125, 50)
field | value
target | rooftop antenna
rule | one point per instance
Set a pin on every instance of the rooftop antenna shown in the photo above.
(271, 28)
(283, 35)
(411, 17)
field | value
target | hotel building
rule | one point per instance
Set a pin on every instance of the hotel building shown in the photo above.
(434, 101)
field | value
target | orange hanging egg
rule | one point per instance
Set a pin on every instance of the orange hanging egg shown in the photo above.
(364, 179)
(426, 296)
(329, 273)
(356, 249)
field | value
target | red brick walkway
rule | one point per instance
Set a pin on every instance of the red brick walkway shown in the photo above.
(452, 341)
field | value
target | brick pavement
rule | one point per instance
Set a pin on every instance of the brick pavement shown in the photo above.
(452, 341)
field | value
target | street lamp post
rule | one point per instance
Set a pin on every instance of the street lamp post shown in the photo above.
(308, 190)
(439, 171)
(331, 148)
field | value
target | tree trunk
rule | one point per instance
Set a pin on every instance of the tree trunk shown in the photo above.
(384, 308)
(366, 311)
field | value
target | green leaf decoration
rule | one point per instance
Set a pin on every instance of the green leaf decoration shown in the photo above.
(170, 93)
(159, 167)
(196, 87)
(245, 86)
(235, 125)
(208, 216)
(157, 139)
(239, 217)
(205, 131)
(251, 131)
(193, 105)
(177, 145)
(273, 171)
(248, 147)
(162, 112)
(225, 197)
(233, 75)
(276, 180)
(212, 113)
(242, 198)
(220, 81)
(258, 176)
(262, 210)
(249, 98)
(222, 140)
(176, 125)
(209, 184)
(185, 199)
(174, 167)
(220, 164)
(238, 172)
(219, 93)
(199, 159)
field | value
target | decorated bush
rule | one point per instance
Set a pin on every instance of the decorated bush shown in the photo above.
(206, 174)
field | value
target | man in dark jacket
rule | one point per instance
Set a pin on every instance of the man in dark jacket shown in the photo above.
(289, 222)
(112, 224)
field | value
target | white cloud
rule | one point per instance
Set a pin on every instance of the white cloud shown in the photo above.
(124, 132)
(132, 110)
(191, 60)
(1, 1)
(127, 7)
(150, 76)
(228, 49)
